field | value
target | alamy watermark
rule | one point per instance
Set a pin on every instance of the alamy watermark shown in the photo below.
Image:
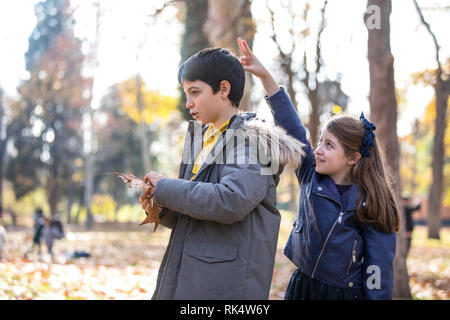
(373, 17)
(374, 280)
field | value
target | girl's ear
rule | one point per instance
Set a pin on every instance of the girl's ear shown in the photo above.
(354, 158)
(224, 88)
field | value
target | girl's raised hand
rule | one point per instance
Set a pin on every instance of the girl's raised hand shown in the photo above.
(252, 65)
(249, 60)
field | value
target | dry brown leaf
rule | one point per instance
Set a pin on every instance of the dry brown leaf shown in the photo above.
(146, 199)
(151, 209)
(131, 180)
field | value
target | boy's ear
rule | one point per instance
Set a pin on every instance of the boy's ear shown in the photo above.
(224, 88)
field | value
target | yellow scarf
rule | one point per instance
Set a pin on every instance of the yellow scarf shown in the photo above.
(209, 139)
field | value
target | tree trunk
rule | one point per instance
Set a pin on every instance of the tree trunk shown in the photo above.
(53, 192)
(441, 89)
(76, 219)
(416, 137)
(313, 91)
(228, 20)
(383, 113)
(90, 156)
(70, 197)
(314, 117)
(194, 39)
(145, 145)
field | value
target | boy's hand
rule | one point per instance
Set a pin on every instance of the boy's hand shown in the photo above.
(252, 65)
(152, 178)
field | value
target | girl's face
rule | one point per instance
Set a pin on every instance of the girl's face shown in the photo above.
(331, 159)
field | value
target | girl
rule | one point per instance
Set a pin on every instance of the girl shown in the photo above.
(343, 239)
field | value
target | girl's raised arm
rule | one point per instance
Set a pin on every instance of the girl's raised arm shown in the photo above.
(279, 102)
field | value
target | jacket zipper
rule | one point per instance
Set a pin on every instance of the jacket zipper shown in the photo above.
(342, 208)
(353, 259)
(338, 220)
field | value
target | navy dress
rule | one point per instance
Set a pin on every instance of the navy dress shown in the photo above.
(303, 287)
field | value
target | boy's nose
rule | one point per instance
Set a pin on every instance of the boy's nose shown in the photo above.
(189, 103)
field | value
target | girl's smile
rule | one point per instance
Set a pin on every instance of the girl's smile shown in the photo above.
(319, 162)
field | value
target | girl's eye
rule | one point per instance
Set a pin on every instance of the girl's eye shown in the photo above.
(329, 145)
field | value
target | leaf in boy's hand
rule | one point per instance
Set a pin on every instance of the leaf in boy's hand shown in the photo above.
(153, 212)
(146, 199)
(131, 180)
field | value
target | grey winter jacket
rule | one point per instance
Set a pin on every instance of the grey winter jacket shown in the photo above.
(225, 222)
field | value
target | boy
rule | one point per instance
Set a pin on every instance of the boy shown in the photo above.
(222, 208)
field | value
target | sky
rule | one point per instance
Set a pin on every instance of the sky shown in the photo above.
(344, 47)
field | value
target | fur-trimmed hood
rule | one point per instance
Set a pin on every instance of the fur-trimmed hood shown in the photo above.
(276, 143)
(289, 151)
(264, 142)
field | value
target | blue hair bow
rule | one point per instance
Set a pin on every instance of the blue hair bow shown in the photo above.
(368, 136)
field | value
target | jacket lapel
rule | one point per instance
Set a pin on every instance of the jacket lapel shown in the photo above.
(324, 185)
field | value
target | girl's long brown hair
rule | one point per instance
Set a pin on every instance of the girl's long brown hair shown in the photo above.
(370, 173)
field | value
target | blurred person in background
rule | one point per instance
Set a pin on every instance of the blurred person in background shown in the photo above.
(38, 224)
(409, 211)
(52, 230)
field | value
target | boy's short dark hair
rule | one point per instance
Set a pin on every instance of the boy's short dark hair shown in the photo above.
(213, 65)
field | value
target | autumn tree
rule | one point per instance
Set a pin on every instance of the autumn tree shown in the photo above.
(119, 146)
(147, 108)
(440, 81)
(89, 143)
(45, 129)
(383, 113)
(417, 148)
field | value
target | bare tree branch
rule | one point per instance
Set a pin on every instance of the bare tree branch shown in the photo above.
(318, 43)
(427, 26)
(160, 10)
(286, 58)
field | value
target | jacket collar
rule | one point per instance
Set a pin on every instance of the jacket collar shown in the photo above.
(325, 186)
(195, 144)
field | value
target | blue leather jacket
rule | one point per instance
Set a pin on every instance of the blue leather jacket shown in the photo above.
(326, 241)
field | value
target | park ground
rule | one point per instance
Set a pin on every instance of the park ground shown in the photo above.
(125, 259)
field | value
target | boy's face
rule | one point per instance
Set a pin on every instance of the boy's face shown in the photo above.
(204, 106)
